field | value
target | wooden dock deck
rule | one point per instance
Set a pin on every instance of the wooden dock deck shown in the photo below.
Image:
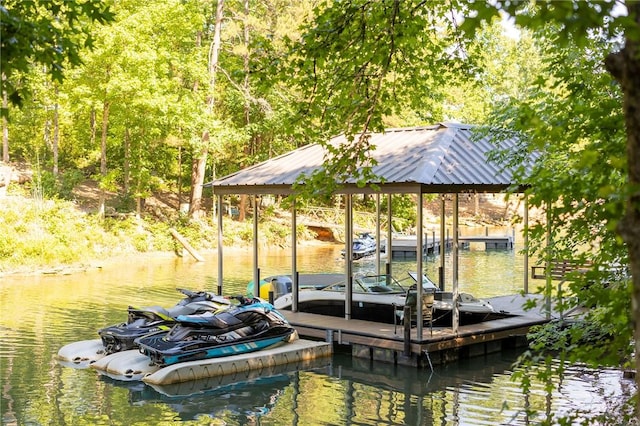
(384, 342)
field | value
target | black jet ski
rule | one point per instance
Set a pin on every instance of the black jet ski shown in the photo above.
(249, 326)
(151, 319)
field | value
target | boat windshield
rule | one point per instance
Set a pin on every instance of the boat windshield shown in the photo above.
(371, 284)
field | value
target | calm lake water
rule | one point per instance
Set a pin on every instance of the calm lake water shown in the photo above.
(40, 314)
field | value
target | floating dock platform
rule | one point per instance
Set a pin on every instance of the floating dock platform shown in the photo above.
(321, 335)
(132, 365)
(404, 246)
(490, 241)
(387, 343)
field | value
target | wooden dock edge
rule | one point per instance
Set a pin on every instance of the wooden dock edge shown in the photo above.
(297, 351)
(437, 349)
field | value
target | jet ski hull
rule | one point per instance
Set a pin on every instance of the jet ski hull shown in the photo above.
(251, 326)
(164, 353)
(154, 319)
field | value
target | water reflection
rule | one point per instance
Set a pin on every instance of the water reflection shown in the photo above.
(40, 314)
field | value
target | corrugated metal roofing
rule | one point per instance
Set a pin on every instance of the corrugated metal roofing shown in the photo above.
(441, 158)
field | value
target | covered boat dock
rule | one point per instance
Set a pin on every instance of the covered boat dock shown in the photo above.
(446, 158)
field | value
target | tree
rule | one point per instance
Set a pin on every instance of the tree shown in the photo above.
(357, 60)
(43, 32)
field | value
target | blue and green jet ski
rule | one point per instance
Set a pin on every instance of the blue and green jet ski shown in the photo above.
(249, 326)
(152, 319)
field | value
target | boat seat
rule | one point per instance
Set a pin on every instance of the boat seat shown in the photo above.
(411, 300)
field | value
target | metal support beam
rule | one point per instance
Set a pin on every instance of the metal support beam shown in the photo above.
(455, 321)
(389, 252)
(443, 243)
(294, 256)
(348, 255)
(256, 271)
(525, 235)
(419, 257)
(378, 233)
(547, 291)
(220, 256)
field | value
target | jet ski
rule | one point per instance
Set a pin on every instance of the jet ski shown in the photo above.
(249, 326)
(363, 246)
(151, 319)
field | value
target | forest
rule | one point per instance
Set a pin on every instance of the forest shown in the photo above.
(166, 95)
(173, 94)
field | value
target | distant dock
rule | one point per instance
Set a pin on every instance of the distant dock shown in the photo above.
(404, 246)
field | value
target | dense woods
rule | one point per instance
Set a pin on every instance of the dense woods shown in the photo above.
(165, 95)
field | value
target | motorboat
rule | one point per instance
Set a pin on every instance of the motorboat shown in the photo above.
(363, 246)
(151, 319)
(283, 284)
(249, 326)
(380, 298)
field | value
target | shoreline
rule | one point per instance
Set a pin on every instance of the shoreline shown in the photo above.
(98, 264)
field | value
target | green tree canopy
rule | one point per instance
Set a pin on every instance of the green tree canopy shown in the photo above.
(47, 33)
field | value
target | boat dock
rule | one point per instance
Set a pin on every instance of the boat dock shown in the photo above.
(404, 247)
(387, 343)
(490, 241)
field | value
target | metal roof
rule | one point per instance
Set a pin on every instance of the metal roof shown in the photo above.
(438, 159)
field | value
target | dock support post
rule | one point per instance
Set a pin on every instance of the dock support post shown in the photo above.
(547, 269)
(220, 256)
(387, 271)
(329, 336)
(419, 255)
(454, 256)
(378, 233)
(256, 271)
(294, 256)
(407, 330)
(348, 255)
(443, 243)
(526, 244)
(389, 249)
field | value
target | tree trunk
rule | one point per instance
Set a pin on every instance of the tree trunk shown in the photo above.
(5, 130)
(625, 67)
(198, 167)
(103, 155)
(242, 208)
(127, 162)
(199, 163)
(248, 149)
(56, 134)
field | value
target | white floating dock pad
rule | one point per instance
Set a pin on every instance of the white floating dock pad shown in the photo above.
(294, 352)
(203, 386)
(125, 365)
(81, 354)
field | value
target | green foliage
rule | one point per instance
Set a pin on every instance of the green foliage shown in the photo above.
(47, 233)
(60, 186)
(47, 33)
(572, 125)
(352, 66)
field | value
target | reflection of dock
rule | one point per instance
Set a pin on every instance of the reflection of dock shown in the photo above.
(404, 246)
